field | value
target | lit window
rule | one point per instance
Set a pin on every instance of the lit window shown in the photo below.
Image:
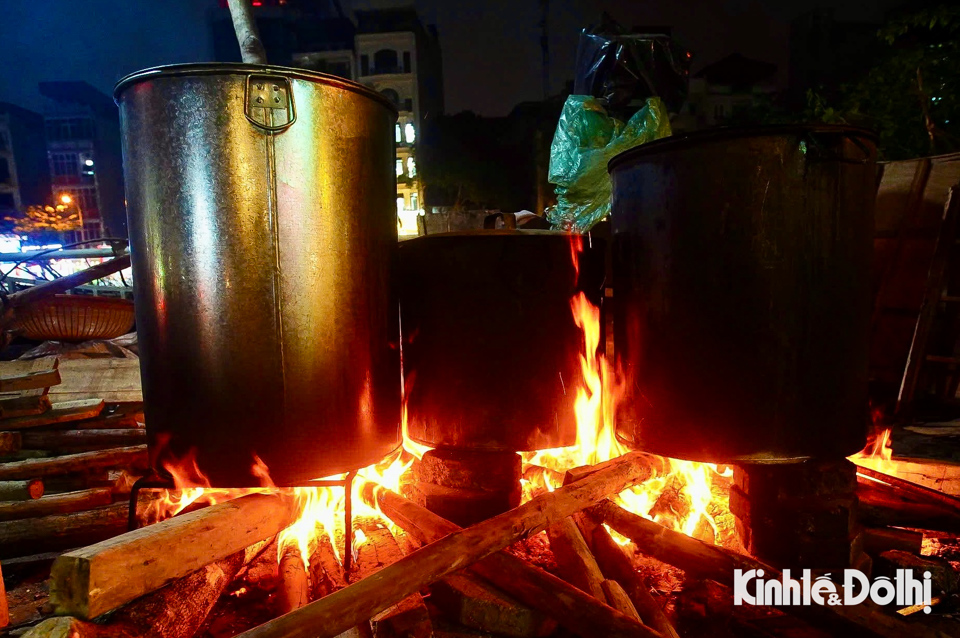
(414, 201)
(409, 133)
(399, 203)
(411, 168)
(398, 135)
(399, 167)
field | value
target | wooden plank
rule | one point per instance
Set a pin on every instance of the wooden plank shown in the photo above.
(21, 406)
(113, 380)
(20, 490)
(59, 412)
(931, 301)
(70, 440)
(90, 581)
(35, 380)
(57, 504)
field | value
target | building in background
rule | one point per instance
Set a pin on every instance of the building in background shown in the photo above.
(83, 152)
(24, 174)
(389, 50)
(726, 91)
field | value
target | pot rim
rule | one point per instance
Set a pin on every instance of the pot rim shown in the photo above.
(685, 140)
(236, 68)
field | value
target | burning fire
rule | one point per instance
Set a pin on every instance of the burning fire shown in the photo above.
(684, 496)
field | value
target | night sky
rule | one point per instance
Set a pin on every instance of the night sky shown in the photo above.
(491, 50)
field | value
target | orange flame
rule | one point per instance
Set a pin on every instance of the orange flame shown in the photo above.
(683, 495)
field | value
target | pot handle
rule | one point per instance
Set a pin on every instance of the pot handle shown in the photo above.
(270, 93)
(821, 154)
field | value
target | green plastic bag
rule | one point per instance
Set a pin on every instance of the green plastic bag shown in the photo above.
(586, 139)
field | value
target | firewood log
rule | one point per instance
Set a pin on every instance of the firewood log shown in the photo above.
(90, 581)
(618, 599)
(61, 412)
(877, 540)
(616, 564)
(294, 590)
(57, 504)
(20, 490)
(83, 462)
(326, 572)
(174, 611)
(4, 607)
(88, 439)
(408, 618)
(575, 563)
(571, 607)
(881, 506)
(10, 442)
(352, 605)
(717, 564)
(36, 380)
(61, 531)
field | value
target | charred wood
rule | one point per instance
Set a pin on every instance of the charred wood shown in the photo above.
(352, 605)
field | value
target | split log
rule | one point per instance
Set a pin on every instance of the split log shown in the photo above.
(36, 380)
(618, 599)
(471, 602)
(569, 606)
(174, 611)
(135, 455)
(877, 540)
(352, 605)
(61, 531)
(616, 564)
(378, 550)
(715, 563)
(880, 507)
(294, 590)
(73, 440)
(63, 412)
(57, 504)
(14, 407)
(575, 563)
(919, 492)
(20, 490)
(90, 581)
(326, 572)
(10, 442)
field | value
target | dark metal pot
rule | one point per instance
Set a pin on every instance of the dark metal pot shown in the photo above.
(742, 292)
(491, 350)
(263, 234)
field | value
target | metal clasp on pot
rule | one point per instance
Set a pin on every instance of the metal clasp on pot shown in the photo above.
(269, 93)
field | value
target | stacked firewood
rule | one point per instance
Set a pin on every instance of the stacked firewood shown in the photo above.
(66, 466)
(417, 574)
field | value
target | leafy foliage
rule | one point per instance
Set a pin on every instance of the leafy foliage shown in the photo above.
(911, 95)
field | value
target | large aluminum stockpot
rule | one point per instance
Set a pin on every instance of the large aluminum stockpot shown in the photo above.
(742, 278)
(491, 350)
(263, 233)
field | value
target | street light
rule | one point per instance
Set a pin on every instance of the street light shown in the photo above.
(66, 199)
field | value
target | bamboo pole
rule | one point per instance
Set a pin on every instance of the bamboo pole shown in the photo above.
(357, 603)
